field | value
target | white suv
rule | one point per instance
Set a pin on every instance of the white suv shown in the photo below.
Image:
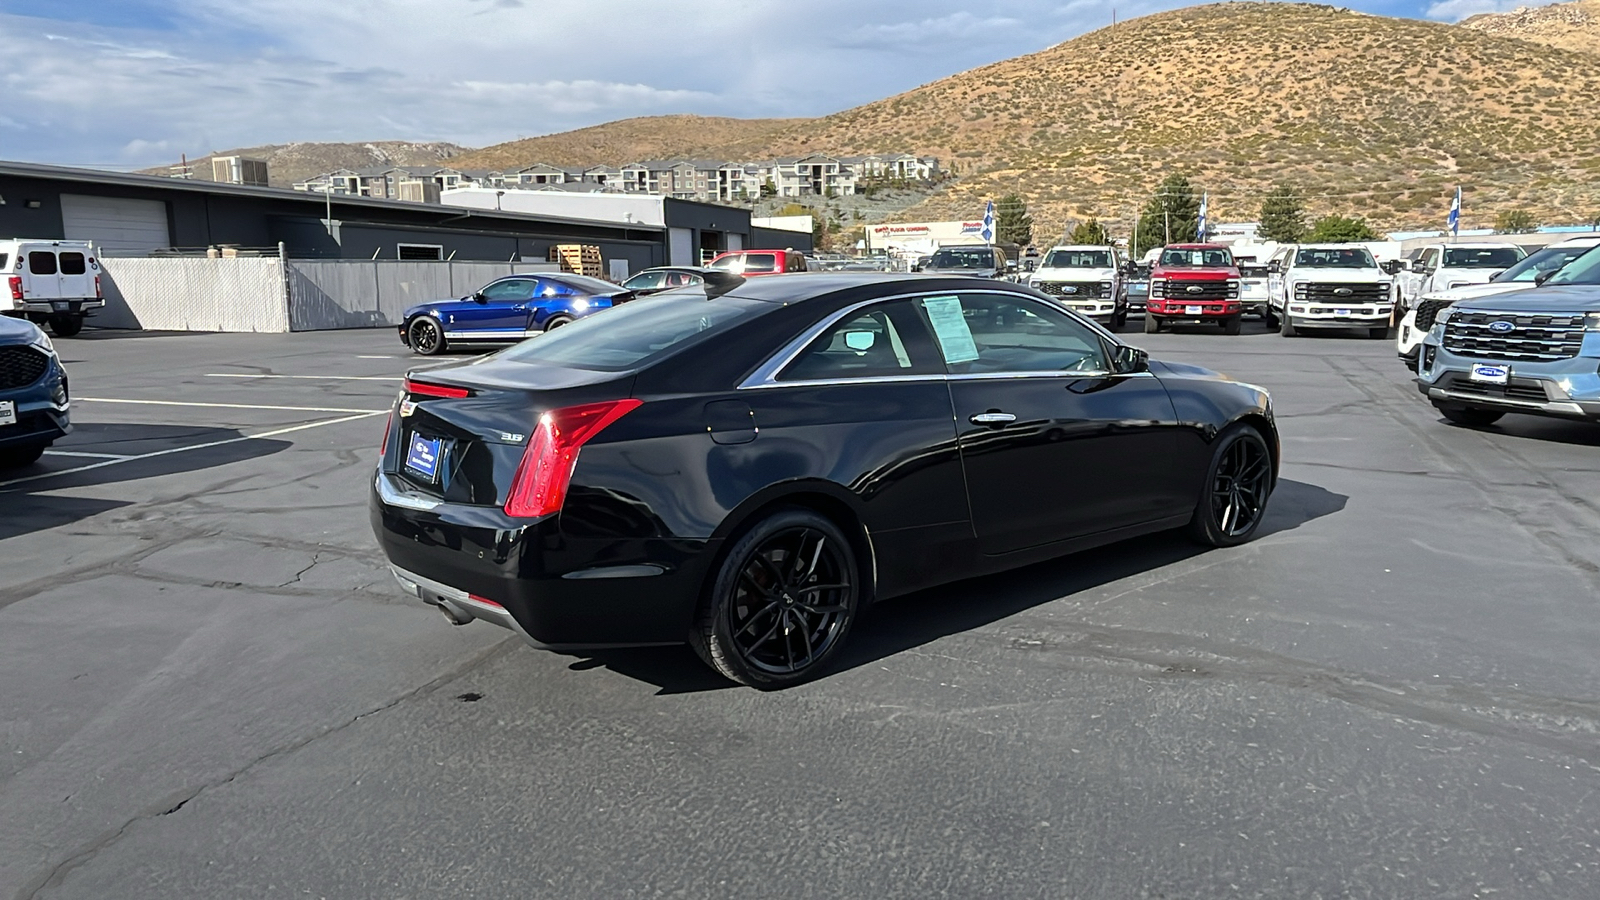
(1087, 280)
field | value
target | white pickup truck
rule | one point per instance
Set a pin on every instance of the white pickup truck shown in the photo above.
(1085, 279)
(1330, 286)
(1534, 270)
(55, 282)
(1441, 267)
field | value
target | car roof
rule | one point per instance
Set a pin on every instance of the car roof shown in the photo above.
(1080, 247)
(1482, 245)
(1588, 241)
(695, 269)
(801, 286)
(1332, 246)
(1198, 247)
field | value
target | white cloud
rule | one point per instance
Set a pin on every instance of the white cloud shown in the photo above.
(1456, 10)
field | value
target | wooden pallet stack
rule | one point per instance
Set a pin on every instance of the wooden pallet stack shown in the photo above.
(579, 259)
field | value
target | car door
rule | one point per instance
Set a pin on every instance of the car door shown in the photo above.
(76, 280)
(1053, 443)
(499, 310)
(44, 279)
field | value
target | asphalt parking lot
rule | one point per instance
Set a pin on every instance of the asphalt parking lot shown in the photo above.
(212, 687)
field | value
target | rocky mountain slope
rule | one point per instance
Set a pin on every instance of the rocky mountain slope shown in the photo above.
(632, 140)
(288, 163)
(1570, 26)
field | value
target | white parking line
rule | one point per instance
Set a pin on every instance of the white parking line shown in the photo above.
(248, 437)
(308, 377)
(328, 409)
(86, 455)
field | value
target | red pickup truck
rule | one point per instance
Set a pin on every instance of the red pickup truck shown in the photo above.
(1194, 283)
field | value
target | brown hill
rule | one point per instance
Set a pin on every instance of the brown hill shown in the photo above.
(1570, 26)
(631, 140)
(288, 163)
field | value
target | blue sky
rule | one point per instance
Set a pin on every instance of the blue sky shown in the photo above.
(128, 83)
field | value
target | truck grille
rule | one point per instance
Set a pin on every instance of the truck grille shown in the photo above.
(1086, 290)
(1536, 337)
(1319, 292)
(21, 366)
(1207, 290)
(1428, 312)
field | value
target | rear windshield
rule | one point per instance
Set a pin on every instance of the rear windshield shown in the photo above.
(42, 262)
(635, 333)
(753, 263)
(1341, 258)
(977, 258)
(4, 258)
(1491, 258)
(72, 263)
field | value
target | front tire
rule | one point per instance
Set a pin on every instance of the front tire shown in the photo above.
(66, 326)
(782, 601)
(1152, 325)
(1378, 332)
(1270, 317)
(1233, 324)
(1238, 483)
(427, 338)
(554, 322)
(1119, 321)
(1287, 327)
(1470, 416)
(17, 457)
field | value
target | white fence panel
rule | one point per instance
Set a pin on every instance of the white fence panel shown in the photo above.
(191, 294)
(339, 293)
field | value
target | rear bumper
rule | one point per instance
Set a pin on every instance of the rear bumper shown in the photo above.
(85, 307)
(556, 590)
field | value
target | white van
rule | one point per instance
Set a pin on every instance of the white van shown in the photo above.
(54, 282)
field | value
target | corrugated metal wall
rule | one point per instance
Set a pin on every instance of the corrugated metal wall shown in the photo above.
(325, 294)
(193, 294)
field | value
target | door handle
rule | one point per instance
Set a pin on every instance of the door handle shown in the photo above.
(993, 417)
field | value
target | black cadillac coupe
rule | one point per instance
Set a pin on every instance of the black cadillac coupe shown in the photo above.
(745, 465)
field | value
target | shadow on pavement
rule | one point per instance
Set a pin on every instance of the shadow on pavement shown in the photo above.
(27, 494)
(920, 618)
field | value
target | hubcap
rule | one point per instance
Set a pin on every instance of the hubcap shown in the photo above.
(424, 336)
(1239, 490)
(790, 601)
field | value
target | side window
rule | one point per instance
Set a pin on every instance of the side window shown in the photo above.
(513, 289)
(1430, 259)
(73, 264)
(645, 281)
(996, 333)
(681, 279)
(761, 263)
(42, 262)
(882, 340)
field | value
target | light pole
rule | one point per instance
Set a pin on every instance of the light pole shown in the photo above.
(497, 196)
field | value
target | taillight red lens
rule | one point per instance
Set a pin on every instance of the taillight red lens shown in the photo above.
(541, 483)
(16, 287)
(97, 291)
(423, 389)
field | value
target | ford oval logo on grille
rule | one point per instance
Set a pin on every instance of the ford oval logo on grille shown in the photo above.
(1342, 292)
(1502, 327)
(1069, 290)
(1195, 289)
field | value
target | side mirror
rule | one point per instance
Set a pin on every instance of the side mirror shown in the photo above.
(1275, 267)
(1542, 277)
(860, 341)
(478, 296)
(1129, 360)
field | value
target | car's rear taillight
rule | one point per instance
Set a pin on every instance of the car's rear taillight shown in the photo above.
(540, 487)
(16, 287)
(98, 293)
(424, 389)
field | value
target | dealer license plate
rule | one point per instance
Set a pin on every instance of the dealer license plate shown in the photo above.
(1194, 310)
(1341, 312)
(8, 412)
(422, 457)
(1490, 374)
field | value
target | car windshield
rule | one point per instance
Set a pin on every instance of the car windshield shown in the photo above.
(959, 258)
(584, 283)
(1253, 271)
(1200, 259)
(635, 333)
(1583, 270)
(1077, 259)
(1336, 258)
(1481, 257)
(1550, 259)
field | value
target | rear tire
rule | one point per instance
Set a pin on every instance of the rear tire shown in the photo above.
(1119, 321)
(1239, 481)
(781, 603)
(1233, 324)
(1270, 317)
(17, 457)
(1152, 325)
(426, 337)
(554, 322)
(1470, 416)
(1286, 328)
(66, 326)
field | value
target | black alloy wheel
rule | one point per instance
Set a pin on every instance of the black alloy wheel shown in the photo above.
(1238, 484)
(554, 322)
(781, 603)
(427, 338)
(1470, 416)
(66, 326)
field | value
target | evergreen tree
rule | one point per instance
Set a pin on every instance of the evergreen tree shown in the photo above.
(1089, 232)
(1339, 230)
(1283, 215)
(1515, 221)
(1175, 206)
(1012, 224)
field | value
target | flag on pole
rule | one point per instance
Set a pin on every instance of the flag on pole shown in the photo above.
(988, 223)
(1200, 230)
(1455, 214)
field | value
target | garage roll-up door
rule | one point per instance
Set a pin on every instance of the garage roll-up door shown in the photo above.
(117, 225)
(680, 247)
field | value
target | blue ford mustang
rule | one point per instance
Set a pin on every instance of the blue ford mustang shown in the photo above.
(507, 310)
(33, 393)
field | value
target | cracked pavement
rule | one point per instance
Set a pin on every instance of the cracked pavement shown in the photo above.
(212, 688)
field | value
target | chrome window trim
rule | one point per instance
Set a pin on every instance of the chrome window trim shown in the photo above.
(766, 375)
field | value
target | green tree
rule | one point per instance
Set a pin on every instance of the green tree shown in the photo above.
(1012, 224)
(1283, 215)
(768, 189)
(1173, 209)
(1089, 232)
(1339, 229)
(1515, 221)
